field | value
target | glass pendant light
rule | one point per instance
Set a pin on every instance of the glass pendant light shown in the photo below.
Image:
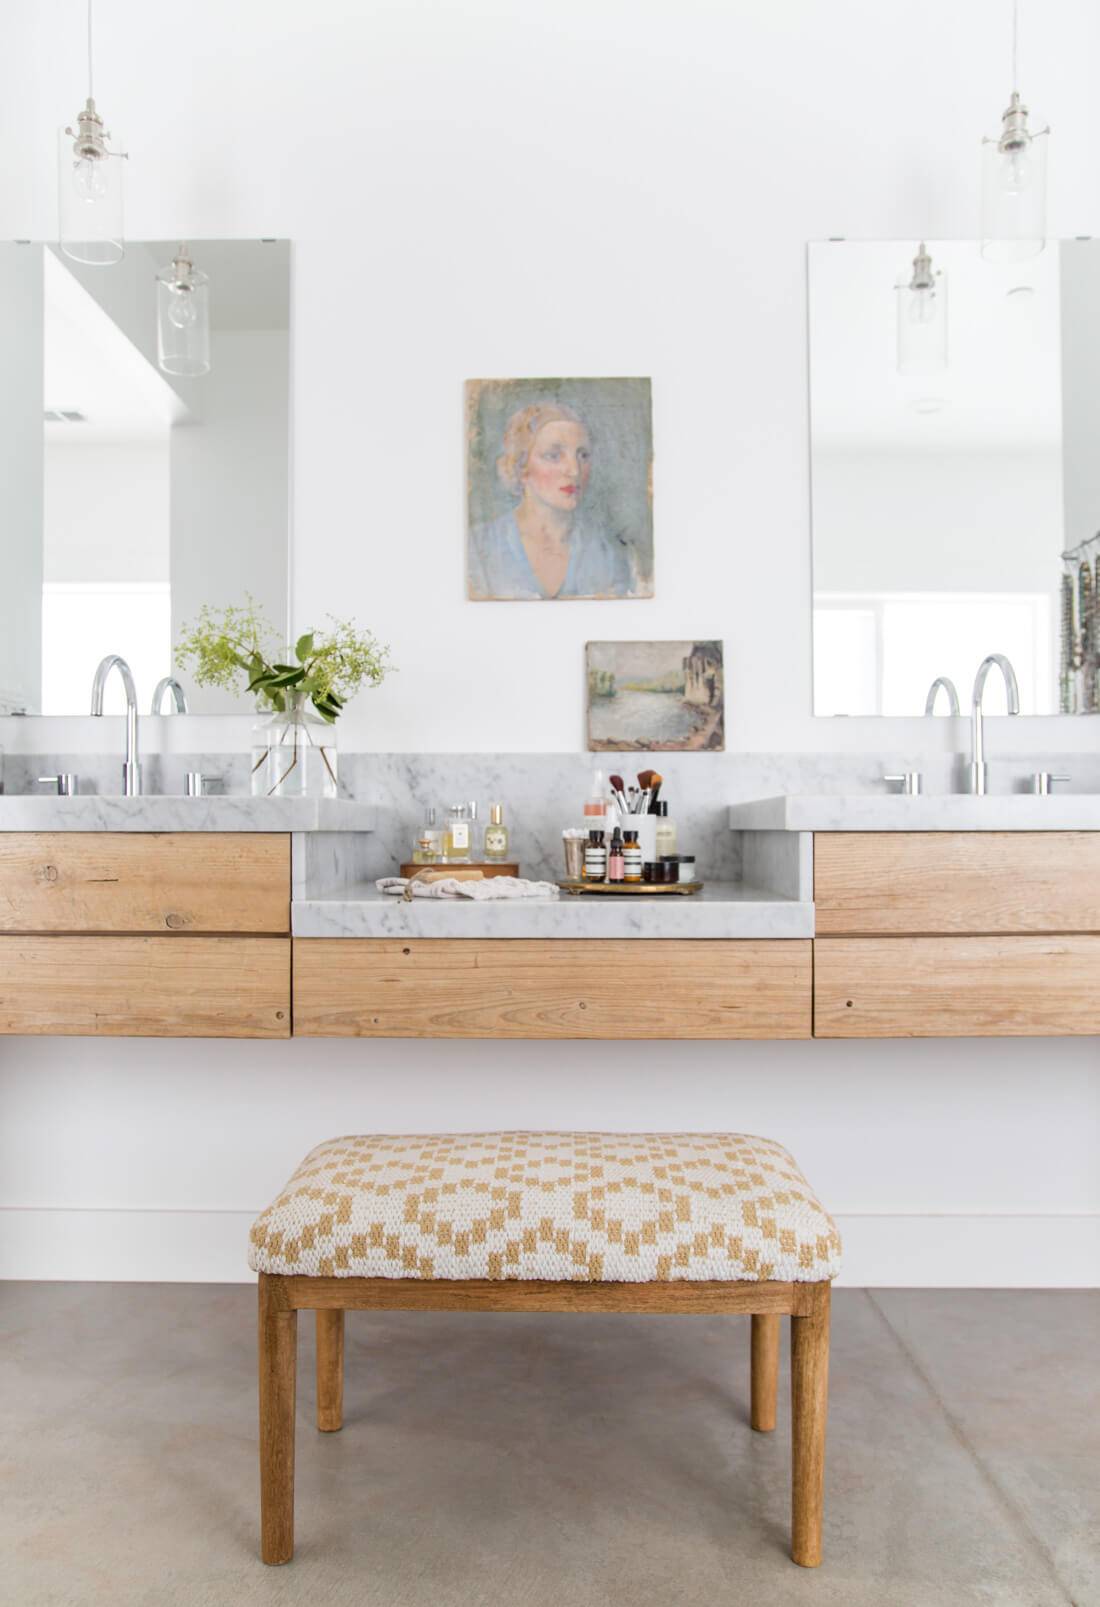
(1014, 180)
(922, 317)
(90, 185)
(183, 317)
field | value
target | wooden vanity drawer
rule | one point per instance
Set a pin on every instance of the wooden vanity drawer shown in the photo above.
(197, 881)
(553, 988)
(957, 881)
(146, 987)
(957, 987)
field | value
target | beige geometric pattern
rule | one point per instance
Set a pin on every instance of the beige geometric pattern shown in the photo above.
(620, 1207)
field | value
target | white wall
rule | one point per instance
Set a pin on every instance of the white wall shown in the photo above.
(21, 403)
(937, 521)
(106, 509)
(230, 480)
(594, 187)
(1080, 364)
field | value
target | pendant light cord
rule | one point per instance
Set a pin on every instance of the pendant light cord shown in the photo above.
(1015, 42)
(91, 88)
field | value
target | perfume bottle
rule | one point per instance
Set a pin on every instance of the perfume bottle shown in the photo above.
(429, 840)
(477, 834)
(456, 837)
(496, 834)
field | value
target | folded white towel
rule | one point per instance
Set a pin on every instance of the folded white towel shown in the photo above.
(490, 887)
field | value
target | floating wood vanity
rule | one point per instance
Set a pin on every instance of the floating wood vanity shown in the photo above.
(870, 933)
(956, 934)
(135, 934)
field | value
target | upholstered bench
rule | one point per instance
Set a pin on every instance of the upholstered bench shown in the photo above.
(640, 1222)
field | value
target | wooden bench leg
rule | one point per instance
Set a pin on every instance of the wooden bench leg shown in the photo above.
(278, 1369)
(330, 1371)
(809, 1403)
(765, 1371)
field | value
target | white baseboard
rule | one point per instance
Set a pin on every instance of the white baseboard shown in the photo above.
(936, 1252)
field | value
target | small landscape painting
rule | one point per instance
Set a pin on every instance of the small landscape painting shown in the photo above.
(655, 697)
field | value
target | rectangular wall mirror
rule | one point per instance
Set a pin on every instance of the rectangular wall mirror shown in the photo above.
(956, 481)
(130, 496)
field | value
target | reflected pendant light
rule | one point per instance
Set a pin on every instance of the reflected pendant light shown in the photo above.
(183, 318)
(1014, 179)
(90, 185)
(922, 317)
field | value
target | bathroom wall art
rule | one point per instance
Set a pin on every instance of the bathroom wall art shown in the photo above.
(559, 478)
(658, 697)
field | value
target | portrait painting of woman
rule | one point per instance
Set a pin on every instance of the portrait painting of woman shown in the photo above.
(559, 489)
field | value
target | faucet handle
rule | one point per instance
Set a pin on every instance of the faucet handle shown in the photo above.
(64, 784)
(196, 781)
(909, 782)
(1042, 782)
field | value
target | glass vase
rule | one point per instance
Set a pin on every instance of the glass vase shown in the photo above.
(294, 753)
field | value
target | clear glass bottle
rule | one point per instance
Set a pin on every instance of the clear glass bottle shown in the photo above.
(496, 834)
(456, 835)
(477, 834)
(429, 841)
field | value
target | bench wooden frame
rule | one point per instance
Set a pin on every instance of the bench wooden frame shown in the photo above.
(281, 1297)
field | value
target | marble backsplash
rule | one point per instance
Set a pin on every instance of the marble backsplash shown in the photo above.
(542, 793)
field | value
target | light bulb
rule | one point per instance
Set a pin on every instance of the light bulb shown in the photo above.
(1015, 170)
(181, 307)
(922, 306)
(89, 180)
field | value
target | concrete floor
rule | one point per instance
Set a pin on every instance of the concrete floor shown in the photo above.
(547, 1461)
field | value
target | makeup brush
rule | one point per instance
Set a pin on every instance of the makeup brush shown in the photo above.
(654, 786)
(619, 791)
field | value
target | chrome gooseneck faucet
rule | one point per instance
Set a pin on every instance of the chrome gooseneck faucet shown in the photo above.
(942, 683)
(168, 683)
(131, 769)
(979, 770)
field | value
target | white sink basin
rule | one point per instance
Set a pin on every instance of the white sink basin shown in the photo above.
(893, 812)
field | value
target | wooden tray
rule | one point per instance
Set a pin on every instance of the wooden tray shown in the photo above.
(496, 867)
(630, 887)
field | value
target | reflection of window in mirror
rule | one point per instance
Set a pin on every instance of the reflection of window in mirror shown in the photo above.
(138, 496)
(879, 655)
(942, 502)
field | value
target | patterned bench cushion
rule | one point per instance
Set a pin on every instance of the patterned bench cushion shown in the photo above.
(621, 1207)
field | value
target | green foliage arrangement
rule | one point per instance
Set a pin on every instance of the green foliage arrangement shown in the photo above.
(332, 665)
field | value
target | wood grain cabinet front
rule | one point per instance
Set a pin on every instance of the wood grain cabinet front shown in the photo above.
(553, 988)
(171, 882)
(957, 987)
(956, 881)
(146, 987)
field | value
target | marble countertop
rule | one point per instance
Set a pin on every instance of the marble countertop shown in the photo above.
(721, 910)
(895, 812)
(99, 812)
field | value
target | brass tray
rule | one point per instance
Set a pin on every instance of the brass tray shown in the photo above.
(629, 887)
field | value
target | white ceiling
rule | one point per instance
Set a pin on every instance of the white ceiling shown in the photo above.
(1001, 388)
(90, 367)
